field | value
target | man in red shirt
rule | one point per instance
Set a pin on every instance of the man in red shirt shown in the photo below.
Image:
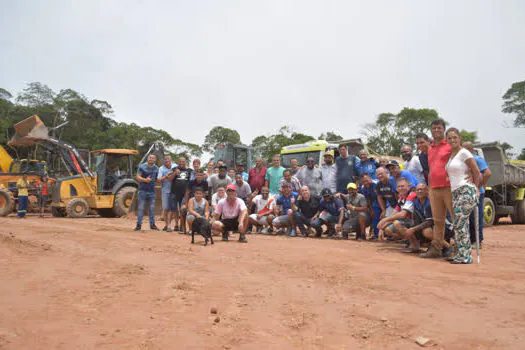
(256, 175)
(440, 194)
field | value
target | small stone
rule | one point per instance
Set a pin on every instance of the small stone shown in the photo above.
(217, 319)
(103, 334)
(117, 330)
(152, 317)
(422, 341)
(213, 311)
(365, 336)
(384, 319)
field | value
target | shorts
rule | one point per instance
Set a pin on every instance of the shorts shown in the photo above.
(405, 222)
(333, 219)
(191, 217)
(177, 201)
(353, 222)
(230, 224)
(281, 220)
(42, 200)
(167, 201)
(262, 221)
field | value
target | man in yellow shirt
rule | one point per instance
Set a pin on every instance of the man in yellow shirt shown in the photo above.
(23, 192)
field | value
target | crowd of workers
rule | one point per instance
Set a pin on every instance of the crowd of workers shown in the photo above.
(430, 202)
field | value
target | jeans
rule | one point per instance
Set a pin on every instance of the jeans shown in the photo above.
(441, 202)
(303, 222)
(480, 220)
(22, 206)
(377, 217)
(142, 199)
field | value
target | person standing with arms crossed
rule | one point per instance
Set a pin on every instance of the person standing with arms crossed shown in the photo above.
(147, 176)
(440, 193)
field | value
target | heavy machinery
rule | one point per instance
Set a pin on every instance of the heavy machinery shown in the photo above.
(11, 170)
(108, 189)
(505, 191)
(233, 155)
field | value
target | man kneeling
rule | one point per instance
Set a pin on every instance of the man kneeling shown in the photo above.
(231, 214)
(396, 224)
(358, 217)
(263, 207)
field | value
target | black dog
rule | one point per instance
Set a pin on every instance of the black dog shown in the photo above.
(202, 227)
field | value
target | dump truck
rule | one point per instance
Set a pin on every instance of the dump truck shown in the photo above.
(108, 189)
(505, 190)
(235, 154)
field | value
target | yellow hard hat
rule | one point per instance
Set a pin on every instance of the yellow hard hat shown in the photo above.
(351, 185)
(329, 153)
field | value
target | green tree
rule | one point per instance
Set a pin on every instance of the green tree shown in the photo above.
(330, 136)
(508, 149)
(267, 146)
(218, 135)
(390, 131)
(522, 155)
(515, 103)
(471, 136)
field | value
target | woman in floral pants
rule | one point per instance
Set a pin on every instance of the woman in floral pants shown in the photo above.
(460, 168)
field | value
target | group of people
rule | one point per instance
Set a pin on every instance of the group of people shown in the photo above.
(430, 200)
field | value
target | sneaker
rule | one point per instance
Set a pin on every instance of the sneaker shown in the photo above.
(279, 231)
(264, 231)
(288, 231)
(242, 238)
(165, 229)
(175, 228)
(452, 257)
(293, 233)
(225, 236)
(431, 253)
(447, 252)
(457, 261)
(169, 230)
(154, 228)
(137, 228)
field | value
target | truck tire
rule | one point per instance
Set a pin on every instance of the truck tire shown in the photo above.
(77, 208)
(7, 202)
(489, 212)
(106, 212)
(519, 212)
(123, 199)
(58, 212)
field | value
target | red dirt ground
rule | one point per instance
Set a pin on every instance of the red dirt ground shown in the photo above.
(93, 283)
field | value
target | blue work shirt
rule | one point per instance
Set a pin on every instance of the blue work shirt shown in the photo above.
(166, 184)
(423, 208)
(285, 202)
(332, 206)
(370, 193)
(482, 165)
(152, 172)
(369, 167)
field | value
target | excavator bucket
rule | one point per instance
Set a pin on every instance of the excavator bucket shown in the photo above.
(29, 131)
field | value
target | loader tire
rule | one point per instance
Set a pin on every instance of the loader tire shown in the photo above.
(77, 208)
(7, 202)
(123, 200)
(519, 211)
(58, 212)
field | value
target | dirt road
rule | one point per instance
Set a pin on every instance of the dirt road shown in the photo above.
(93, 283)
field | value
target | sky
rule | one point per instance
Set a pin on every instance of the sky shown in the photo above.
(254, 66)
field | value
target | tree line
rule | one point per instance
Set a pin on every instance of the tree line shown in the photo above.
(91, 125)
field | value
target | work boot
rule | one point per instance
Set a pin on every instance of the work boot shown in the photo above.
(154, 227)
(225, 236)
(242, 238)
(138, 228)
(432, 253)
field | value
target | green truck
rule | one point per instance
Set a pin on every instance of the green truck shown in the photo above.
(505, 191)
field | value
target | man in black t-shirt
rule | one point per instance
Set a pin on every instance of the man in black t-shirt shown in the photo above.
(199, 182)
(386, 192)
(180, 190)
(306, 212)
